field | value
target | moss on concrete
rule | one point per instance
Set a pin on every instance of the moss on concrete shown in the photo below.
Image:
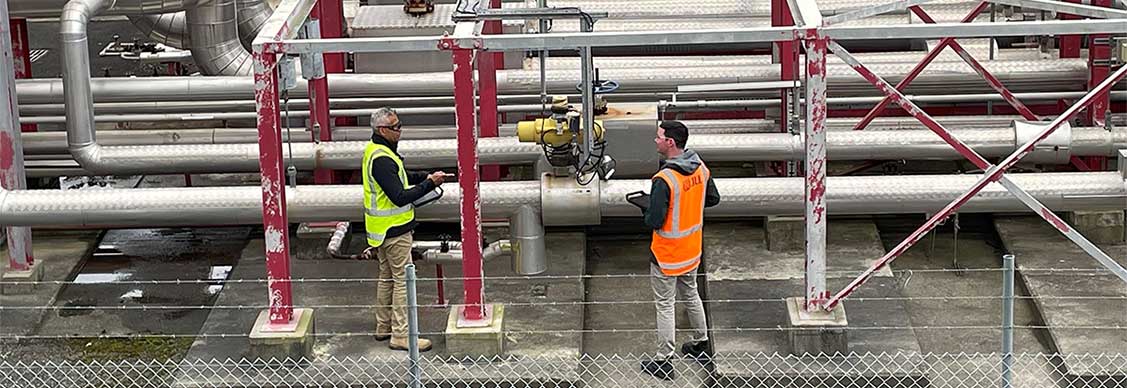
(113, 349)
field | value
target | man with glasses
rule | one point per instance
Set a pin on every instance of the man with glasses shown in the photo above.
(389, 221)
(679, 192)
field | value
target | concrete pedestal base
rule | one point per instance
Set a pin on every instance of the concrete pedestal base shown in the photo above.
(22, 282)
(786, 234)
(292, 341)
(819, 332)
(487, 339)
(1101, 227)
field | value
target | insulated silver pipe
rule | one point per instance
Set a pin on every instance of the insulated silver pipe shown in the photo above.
(216, 47)
(294, 113)
(252, 14)
(170, 29)
(52, 8)
(741, 197)
(940, 78)
(213, 155)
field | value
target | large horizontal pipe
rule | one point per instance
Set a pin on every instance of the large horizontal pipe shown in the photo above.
(940, 77)
(741, 197)
(294, 113)
(427, 105)
(212, 156)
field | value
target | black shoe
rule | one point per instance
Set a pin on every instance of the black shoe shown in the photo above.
(662, 369)
(697, 351)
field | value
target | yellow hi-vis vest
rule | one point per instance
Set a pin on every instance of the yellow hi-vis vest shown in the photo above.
(677, 245)
(380, 214)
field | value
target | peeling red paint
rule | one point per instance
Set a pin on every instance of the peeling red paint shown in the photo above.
(468, 180)
(1055, 221)
(274, 217)
(7, 152)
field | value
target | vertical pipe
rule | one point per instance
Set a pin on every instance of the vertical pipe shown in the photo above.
(21, 55)
(438, 273)
(274, 220)
(318, 90)
(468, 181)
(1007, 320)
(12, 174)
(815, 169)
(487, 64)
(587, 73)
(787, 56)
(413, 327)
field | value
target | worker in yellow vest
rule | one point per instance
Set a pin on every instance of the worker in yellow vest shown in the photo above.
(679, 192)
(389, 222)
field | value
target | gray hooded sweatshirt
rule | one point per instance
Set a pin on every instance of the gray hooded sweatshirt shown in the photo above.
(685, 164)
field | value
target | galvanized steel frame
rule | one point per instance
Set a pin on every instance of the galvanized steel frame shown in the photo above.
(463, 45)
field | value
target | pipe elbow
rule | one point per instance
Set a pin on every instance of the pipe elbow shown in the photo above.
(89, 157)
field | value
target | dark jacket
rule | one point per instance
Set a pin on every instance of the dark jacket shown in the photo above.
(685, 164)
(386, 174)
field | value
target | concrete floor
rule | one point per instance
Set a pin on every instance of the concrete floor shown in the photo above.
(609, 314)
(1083, 305)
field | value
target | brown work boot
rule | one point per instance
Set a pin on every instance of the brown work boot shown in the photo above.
(382, 333)
(400, 343)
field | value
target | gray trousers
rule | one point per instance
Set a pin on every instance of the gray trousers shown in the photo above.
(666, 289)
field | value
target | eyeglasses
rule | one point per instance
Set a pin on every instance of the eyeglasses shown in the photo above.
(396, 128)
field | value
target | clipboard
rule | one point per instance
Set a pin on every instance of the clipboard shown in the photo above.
(427, 198)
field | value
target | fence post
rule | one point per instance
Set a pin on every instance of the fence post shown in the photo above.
(1007, 320)
(413, 328)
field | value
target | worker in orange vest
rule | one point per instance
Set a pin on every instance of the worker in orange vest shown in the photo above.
(679, 192)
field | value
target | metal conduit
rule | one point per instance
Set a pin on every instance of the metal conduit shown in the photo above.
(742, 197)
(1020, 76)
(212, 155)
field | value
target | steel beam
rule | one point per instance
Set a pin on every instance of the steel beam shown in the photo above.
(992, 174)
(468, 182)
(487, 91)
(816, 217)
(991, 80)
(872, 11)
(570, 41)
(786, 54)
(917, 70)
(313, 70)
(1061, 7)
(21, 56)
(12, 174)
(805, 13)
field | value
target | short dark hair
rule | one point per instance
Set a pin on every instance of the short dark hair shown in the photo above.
(676, 131)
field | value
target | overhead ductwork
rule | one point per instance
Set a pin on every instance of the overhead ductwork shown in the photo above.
(252, 14)
(742, 197)
(215, 45)
(169, 29)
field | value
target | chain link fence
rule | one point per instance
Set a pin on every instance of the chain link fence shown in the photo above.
(726, 370)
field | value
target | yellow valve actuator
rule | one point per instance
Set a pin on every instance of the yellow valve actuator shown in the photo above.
(545, 129)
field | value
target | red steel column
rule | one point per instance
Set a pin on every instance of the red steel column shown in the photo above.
(274, 219)
(787, 52)
(319, 97)
(21, 56)
(12, 175)
(1098, 70)
(468, 181)
(487, 64)
(332, 26)
(1070, 44)
(815, 282)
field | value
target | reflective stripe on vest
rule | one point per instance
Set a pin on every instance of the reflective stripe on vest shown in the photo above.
(380, 214)
(677, 244)
(677, 231)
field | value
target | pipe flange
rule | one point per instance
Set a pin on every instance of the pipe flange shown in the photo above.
(566, 203)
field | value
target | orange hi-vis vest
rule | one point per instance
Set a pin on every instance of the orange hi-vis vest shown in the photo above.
(677, 245)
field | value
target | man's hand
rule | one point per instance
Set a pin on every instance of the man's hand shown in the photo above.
(437, 177)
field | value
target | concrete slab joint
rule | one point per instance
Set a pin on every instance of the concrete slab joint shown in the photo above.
(820, 332)
(488, 339)
(294, 341)
(786, 233)
(1101, 227)
(22, 282)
